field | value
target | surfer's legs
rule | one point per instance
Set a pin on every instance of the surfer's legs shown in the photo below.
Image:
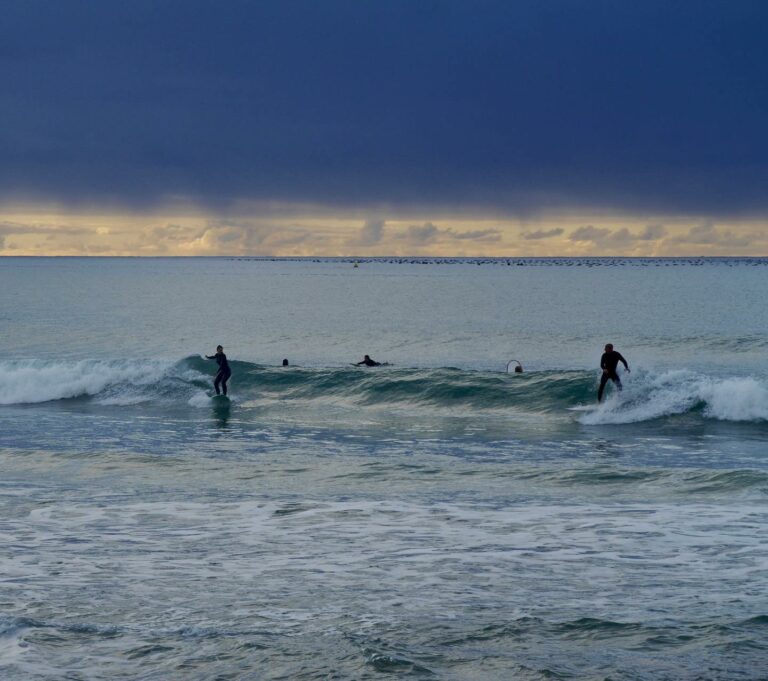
(603, 380)
(221, 376)
(221, 379)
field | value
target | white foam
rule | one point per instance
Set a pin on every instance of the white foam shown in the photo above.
(200, 399)
(737, 399)
(649, 397)
(33, 381)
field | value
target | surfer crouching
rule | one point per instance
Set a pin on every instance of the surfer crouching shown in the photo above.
(608, 363)
(224, 371)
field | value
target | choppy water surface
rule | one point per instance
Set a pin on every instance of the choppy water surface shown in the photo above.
(435, 518)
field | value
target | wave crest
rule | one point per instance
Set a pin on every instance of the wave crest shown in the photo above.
(646, 397)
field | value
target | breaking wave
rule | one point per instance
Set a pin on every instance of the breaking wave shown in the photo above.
(110, 381)
(646, 397)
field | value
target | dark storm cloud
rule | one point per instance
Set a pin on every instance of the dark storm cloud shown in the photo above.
(513, 106)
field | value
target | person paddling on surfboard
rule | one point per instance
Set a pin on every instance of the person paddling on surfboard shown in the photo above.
(608, 363)
(368, 362)
(224, 371)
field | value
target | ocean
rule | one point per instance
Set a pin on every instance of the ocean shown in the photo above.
(438, 517)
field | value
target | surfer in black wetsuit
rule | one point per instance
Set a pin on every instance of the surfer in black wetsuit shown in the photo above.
(224, 371)
(608, 363)
(368, 362)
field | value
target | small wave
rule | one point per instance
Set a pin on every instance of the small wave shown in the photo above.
(676, 480)
(760, 621)
(602, 476)
(726, 481)
(594, 628)
(388, 663)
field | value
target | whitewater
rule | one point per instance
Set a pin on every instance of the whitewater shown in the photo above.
(438, 517)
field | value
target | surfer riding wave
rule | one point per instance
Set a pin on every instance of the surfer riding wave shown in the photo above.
(224, 372)
(608, 363)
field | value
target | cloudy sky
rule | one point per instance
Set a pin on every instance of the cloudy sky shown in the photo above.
(329, 127)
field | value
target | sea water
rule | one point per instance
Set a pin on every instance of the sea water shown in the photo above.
(434, 518)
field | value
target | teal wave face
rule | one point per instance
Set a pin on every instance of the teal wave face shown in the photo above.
(646, 397)
(540, 392)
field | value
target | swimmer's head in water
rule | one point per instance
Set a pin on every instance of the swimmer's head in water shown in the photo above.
(609, 347)
(219, 348)
(366, 357)
(285, 362)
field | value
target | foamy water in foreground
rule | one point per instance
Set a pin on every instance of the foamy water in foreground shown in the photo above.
(437, 518)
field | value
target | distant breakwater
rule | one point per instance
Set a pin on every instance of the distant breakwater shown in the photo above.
(524, 262)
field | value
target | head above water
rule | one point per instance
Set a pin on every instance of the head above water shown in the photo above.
(609, 347)
(366, 357)
(219, 348)
(285, 362)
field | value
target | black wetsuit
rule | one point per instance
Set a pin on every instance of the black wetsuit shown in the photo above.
(608, 363)
(369, 363)
(224, 372)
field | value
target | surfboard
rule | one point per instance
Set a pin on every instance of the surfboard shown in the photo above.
(585, 407)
